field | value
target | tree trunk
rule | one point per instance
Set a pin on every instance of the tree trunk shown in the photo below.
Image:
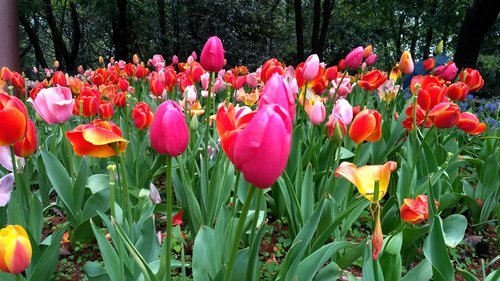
(299, 32)
(327, 13)
(478, 20)
(316, 26)
(430, 31)
(77, 35)
(162, 21)
(59, 47)
(175, 19)
(9, 48)
(120, 31)
(40, 59)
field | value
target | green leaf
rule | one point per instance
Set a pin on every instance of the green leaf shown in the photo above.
(494, 275)
(371, 267)
(36, 218)
(390, 260)
(421, 272)
(97, 202)
(467, 275)
(435, 251)
(61, 182)
(114, 265)
(314, 262)
(454, 229)
(307, 196)
(206, 259)
(95, 272)
(80, 183)
(46, 265)
(329, 272)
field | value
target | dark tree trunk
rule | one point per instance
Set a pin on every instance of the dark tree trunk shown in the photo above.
(400, 34)
(299, 32)
(478, 20)
(40, 59)
(175, 19)
(414, 36)
(59, 48)
(120, 31)
(9, 47)
(316, 26)
(162, 20)
(430, 31)
(77, 35)
(327, 13)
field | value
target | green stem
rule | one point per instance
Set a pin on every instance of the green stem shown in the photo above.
(415, 112)
(112, 174)
(207, 127)
(23, 192)
(168, 190)
(251, 262)
(67, 154)
(235, 194)
(239, 230)
(19, 277)
(122, 175)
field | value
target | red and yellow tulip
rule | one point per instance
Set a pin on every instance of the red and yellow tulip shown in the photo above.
(15, 249)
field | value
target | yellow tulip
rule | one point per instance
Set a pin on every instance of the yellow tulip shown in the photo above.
(15, 249)
(365, 177)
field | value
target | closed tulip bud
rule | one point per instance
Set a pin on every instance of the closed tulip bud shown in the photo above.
(449, 72)
(366, 126)
(406, 63)
(311, 67)
(367, 51)
(457, 91)
(194, 123)
(123, 84)
(377, 237)
(135, 59)
(29, 143)
(169, 133)
(317, 113)
(429, 64)
(56, 64)
(5, 74)
(354, 58)
(16, 252)
(439, 47)
(175, 59)
(371, 59)
(13, 117)
(154, 195)
(470, 124)
(106, 110)
(142, 115)
(212, 55)
(100, 60)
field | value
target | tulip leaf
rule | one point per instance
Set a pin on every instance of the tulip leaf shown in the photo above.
(307, 196)
(467, 275)
(421, 272)
(435, 251)
(46, 264)
(60, 181)
(206, 260)
(80, 184)
(95, 272)
(390, 260)
(97, 202)
(454, 229)
(36, 218)
(308, 268)
(329, 272)
(371, 268)
(113, 264)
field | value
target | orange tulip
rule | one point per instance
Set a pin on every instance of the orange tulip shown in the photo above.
(15, 249)
(444, 115)
(415, 210)
(364, 177)
(13, 117)
(99, 139)
(372, 80)
(457, 91)
(142, 115)
(366, 126)
(406, 63)
(29, 143)
(470, 124)
(472, 78)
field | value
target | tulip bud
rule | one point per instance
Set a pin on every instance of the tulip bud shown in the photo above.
(194, 123)
(175, 59)
(169, 133)
(16, 250)
(439, 47)
(212, 55)
(406, 63)
(317, 113)
(135, 59)
(354, 58)
(311, 67)
(56, 64)
(154, 195)
(371, 59)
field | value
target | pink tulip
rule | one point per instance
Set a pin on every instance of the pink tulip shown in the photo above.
(54, 105)
(449, 72)
(343, 111)
(317, 113)
(175, 59)
(257, 143)
(371, 59)
(311, 67)
(278, 91)
(169, 133)
(354, 58)
(344, 87)
(251, 80)
(212, 55)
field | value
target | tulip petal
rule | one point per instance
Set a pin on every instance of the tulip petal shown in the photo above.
(85, 148)
(6, 185)
(100, 136)
(362, 126)
(13, 126)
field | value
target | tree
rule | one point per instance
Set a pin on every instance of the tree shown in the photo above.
(9, 50)
(479, 18)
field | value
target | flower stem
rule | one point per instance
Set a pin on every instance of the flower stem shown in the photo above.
(251, 262)
(67, 154)
(23, 193)
(122, 175)
(239, 230)
(168, 190)
(19, 277)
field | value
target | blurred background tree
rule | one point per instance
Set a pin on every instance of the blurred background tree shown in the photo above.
(77, 32)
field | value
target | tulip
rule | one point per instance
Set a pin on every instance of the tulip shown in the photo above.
(54, 105)
(99, 139)
(75, 85)
(89, 100)
(311, 67)
(277, 91)
(177, 218)
(5, 74)
(123, 84)
(388, 91)
(472, 78)
(6, 160)
(175, 59)
(444, 115)
(339, 119)
(29, 143)
(449, 71)
(366, 126)
(415, 210)
(13, 119)
(364, 178)
(59, 79)
(429, 64)
(331, 73)
(354, 58)
(212, 55)
(470, 124)
(408, 122)
(15, 249)
(270, 67)
(377, 236)
(169, 133)
(156, 85)
(317, 113)
(371, 59)
(142, 115)
(372, 80)
(17, 81)
(257, 143)
(367, 51)
(99, 76)
(406, 63)
(457, 91)
(431, 91)
(154, 194)
(106, 110)
(342, 86)
(395, 73)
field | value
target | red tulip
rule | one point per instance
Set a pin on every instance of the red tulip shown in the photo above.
(415, 210)
(106, 110)
(257, 143)
(142, 115)
(59, 79)
(169, 133)
(472, 78)
(444, 115)
(89, 100)
(99, 76)
(408, 122)
(13, 119)
(372, 80)
(270, 67)
(366, 126)
(429, 64)
(123, 84)
(29, 143)
(156, 85)
(431, 91)
(212, 55)
(5, 74)
(470, 124)
(99, 139)
(457, 91)
(277, 91)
